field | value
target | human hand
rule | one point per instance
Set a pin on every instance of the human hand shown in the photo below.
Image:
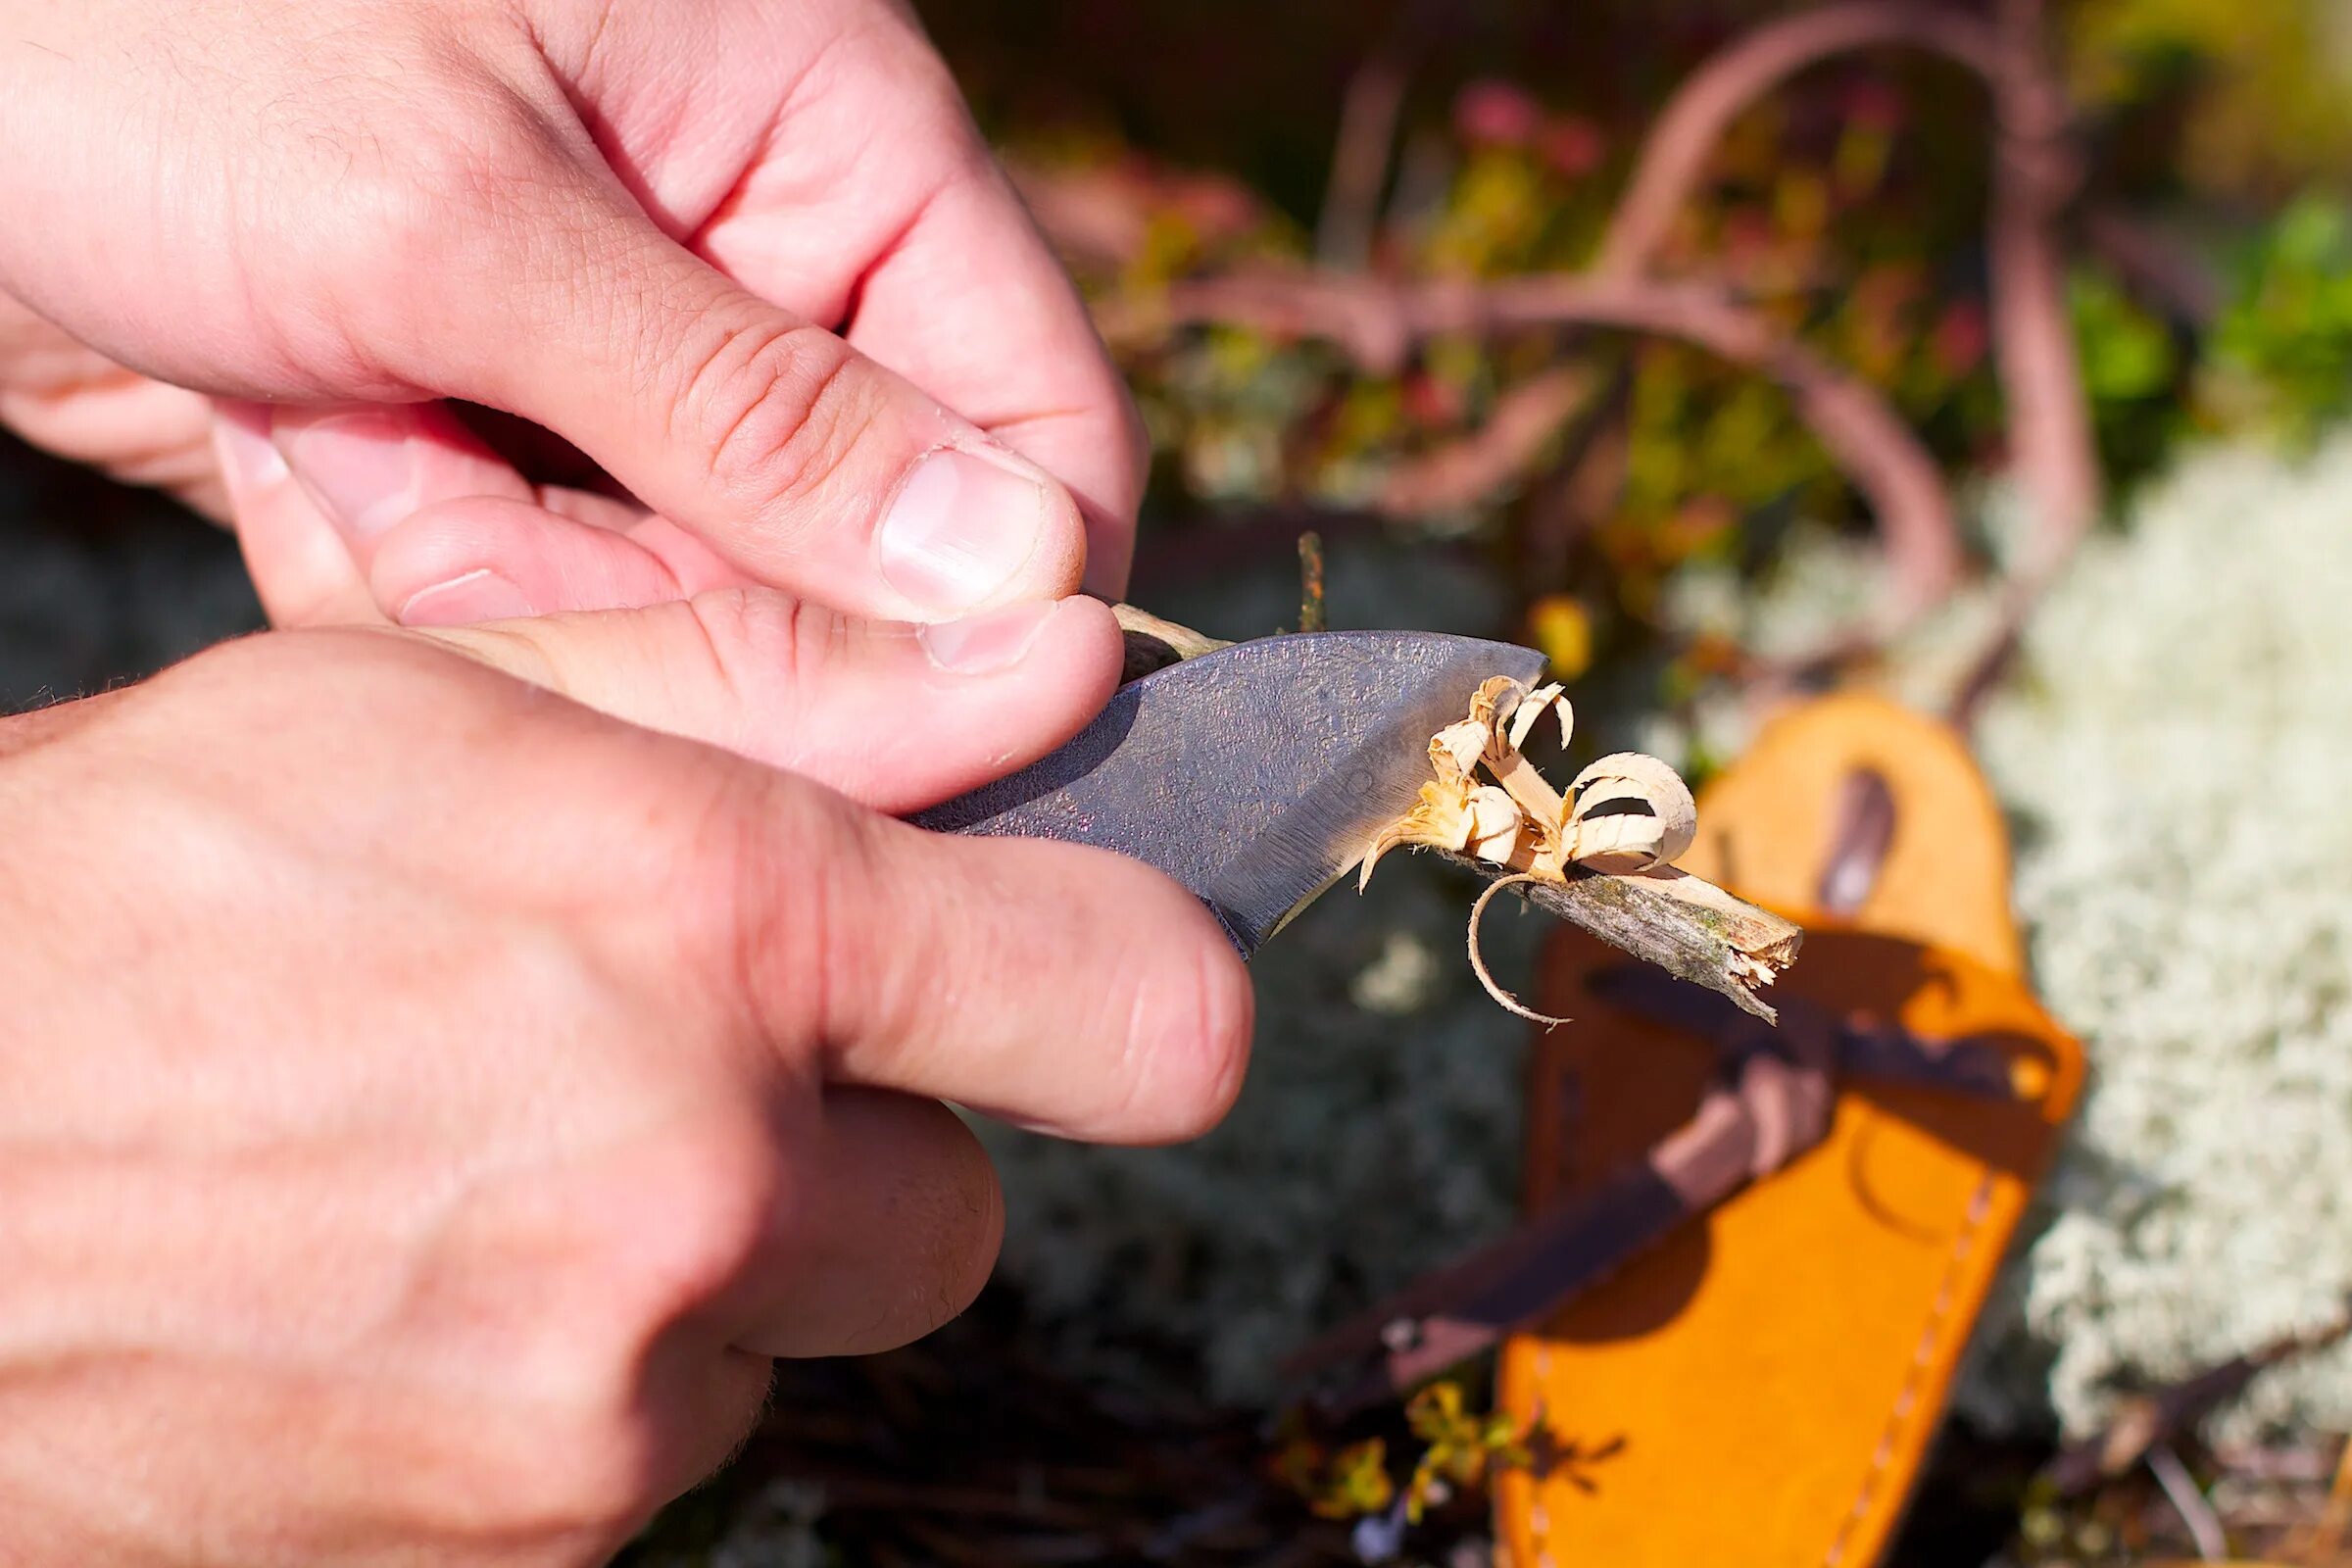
(426, 1104)
(70, 400)
(631, 225)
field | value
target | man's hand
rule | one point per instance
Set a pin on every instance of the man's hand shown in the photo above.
(425, 1102)
(69, 399)
(638, 226)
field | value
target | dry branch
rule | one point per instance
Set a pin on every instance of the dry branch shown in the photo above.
(1359, 161)
(1675, 156)
(1311, 616)
(1156, 644)
(1525, 419)
(2146, 1422)
(2036, 176)
(2167, 275)
(1687, 926)
(1377, 323)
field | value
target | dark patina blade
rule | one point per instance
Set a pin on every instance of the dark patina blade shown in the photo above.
(1254, 775)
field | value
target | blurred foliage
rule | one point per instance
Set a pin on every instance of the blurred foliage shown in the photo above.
(2238, 98)
(1161, 141)
(1460, 1451)
(2282, 354)
(2134, 374)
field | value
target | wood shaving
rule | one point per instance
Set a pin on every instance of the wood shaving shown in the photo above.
(1478, 959)
(1628, 813)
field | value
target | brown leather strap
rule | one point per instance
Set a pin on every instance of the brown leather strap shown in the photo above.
(1773, 1105)
(1862, 831)
(1774, 1109)
(1865, 1048)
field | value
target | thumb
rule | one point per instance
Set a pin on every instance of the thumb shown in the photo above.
(802, 462)
(895, 716)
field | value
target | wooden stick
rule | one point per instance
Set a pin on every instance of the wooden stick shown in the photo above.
(1311, 582)
(1686, 925)
(1156, 644)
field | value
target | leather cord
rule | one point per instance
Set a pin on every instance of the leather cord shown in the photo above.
(1772, 1100)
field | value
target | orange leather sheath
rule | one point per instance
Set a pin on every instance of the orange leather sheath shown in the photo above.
(1761, 1389)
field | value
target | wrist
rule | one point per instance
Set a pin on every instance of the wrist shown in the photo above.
(22, 734)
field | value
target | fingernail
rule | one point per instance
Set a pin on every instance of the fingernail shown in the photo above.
(362, 469)
(250, 461)
(959, 530)
(477, 596)
(984, 643)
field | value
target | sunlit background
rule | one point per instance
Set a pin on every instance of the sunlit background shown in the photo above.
(1994, 355)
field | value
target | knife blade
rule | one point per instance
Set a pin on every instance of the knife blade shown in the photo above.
(1255, 775)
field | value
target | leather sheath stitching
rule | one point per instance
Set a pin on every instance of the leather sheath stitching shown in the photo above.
(1923, 1361)
(1906, 1401)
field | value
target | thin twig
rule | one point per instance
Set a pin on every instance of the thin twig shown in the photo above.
(1675, 156)
(1525, 419)
(1156, 644)
(2181, 1491)
(2034, 178)
(2146, 1423)
(2036, 175)
(1686, 925)
(1311, 582)
(2020, 597)
(2169, 275)
(1359, 161)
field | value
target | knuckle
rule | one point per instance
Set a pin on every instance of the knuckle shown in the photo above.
(404, 210)
(764, 648)
(542, 1467)
(771, 876)
(667, 1235)
(776, 410)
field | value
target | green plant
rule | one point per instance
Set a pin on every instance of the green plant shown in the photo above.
(2282, 350)
(1460, 1450)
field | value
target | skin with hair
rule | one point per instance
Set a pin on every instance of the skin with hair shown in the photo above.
(450, 1051)
(753, 260)
(427, 1104)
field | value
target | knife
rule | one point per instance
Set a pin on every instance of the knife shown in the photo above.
(1255, 775)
